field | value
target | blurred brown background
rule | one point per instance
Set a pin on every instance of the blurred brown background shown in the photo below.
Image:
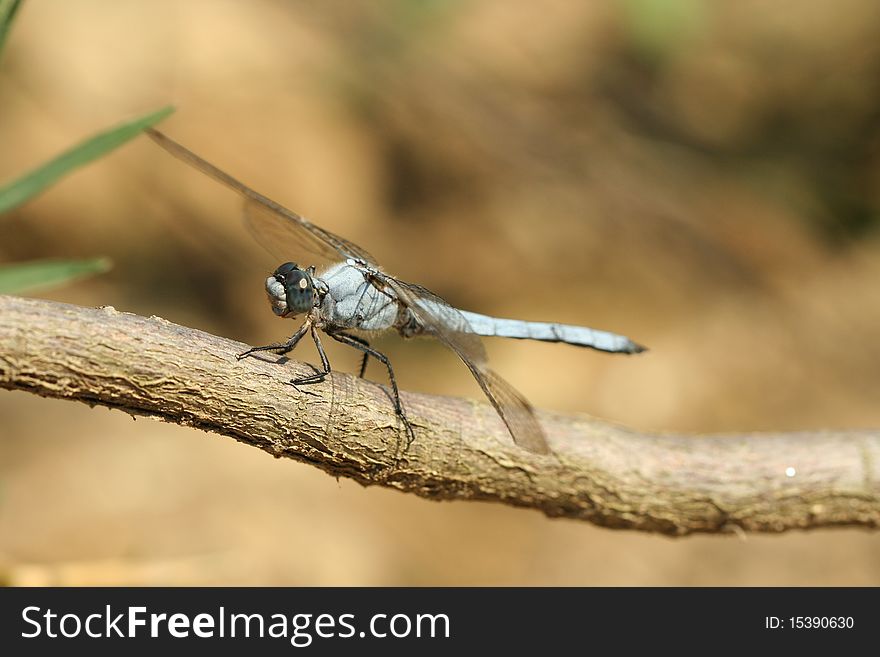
(702, 176)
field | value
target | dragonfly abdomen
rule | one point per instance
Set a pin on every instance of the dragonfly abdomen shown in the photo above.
(580, 336)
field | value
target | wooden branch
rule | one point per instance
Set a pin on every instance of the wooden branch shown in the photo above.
(605, 474)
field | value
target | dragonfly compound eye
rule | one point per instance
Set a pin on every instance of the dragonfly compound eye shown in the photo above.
(284, 270)
(290, 290)
(299, 291)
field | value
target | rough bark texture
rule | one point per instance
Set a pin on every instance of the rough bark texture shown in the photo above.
(606, 474)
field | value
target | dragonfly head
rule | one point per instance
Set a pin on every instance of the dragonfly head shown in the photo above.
(290, 290)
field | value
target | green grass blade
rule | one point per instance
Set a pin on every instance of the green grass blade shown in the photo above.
(19, 191)
(7, 13)
(44, 274)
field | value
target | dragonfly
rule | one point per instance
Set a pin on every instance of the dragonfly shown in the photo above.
(351, 298)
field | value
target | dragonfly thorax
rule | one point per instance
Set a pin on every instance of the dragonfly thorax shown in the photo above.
(291, 290)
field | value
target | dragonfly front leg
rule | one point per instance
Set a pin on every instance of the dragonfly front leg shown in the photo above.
(362, 345)
(281, 348)
(319, 376)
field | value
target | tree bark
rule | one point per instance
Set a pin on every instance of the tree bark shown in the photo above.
(602, 473)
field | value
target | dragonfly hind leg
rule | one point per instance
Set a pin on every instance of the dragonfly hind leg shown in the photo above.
(361, 345)
(365, 359)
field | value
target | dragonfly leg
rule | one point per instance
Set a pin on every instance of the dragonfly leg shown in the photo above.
(366, 357)
(319, 375)
(361, 345)
(281, 348)
(364, 362)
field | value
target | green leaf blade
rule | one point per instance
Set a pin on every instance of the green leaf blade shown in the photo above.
(31, 184)
(45, 274)
(7, 13)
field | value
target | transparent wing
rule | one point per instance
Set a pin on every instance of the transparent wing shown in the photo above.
(448, 325)
(284, 234)
(280, 231)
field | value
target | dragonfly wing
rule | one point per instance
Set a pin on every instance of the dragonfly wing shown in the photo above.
(284, 234)
(281, 231)
(448, 325)
(514, 409)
